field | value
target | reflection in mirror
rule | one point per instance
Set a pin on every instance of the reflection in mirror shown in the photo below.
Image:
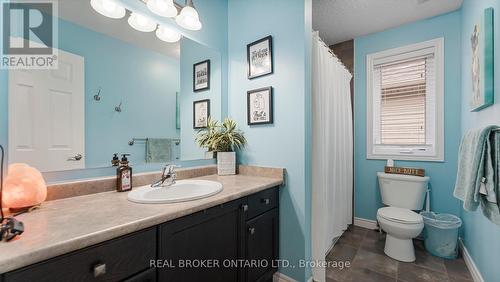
(116, 90)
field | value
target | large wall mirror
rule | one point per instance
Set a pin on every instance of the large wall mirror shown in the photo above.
(116, 91)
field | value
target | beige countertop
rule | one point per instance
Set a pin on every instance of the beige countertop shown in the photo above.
(66, 225)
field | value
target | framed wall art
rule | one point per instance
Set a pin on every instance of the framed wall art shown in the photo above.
(201, 76)
(260, 106)
(201, 112)
(482, 62)
(260, 57)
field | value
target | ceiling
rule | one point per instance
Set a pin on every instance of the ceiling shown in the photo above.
(81, 13)
(341, 20)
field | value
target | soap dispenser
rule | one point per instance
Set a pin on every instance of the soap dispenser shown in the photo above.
(124, 175)
(116, 160)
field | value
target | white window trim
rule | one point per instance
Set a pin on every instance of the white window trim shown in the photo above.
(438, 46)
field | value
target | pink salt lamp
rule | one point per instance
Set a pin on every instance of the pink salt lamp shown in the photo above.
(24, 187)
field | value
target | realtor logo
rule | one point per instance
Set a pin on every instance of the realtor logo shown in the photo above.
(28, 34)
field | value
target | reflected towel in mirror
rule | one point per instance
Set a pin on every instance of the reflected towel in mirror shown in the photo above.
(158, 150)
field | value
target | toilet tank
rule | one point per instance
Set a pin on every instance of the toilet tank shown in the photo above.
(402, 191)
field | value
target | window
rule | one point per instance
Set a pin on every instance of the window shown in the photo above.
(405, 108)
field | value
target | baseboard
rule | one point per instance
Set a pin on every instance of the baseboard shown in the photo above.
(474, 271)
(280, 277)
(365, 223)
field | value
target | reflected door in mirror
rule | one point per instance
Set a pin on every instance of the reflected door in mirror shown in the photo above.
(47, 115)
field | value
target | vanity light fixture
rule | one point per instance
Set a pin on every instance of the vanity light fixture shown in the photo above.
(188, 18)
(108, 8)
(168, 35)
(141, 23)
(164, 8)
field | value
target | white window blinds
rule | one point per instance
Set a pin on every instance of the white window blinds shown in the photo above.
(402, 103)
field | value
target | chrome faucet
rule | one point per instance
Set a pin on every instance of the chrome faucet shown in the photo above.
(168, 176)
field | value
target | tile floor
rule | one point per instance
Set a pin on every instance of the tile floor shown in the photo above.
(364, 248)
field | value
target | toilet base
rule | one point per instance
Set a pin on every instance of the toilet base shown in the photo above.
(399, 249)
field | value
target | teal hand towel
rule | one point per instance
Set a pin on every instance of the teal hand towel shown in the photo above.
(158, 150)
(470, 167)
(490, 195)
(478, 171)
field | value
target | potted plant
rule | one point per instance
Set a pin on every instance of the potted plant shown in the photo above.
(205, 137)
(223, 139)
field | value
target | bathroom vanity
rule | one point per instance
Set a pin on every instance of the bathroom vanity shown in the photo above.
(203, 240)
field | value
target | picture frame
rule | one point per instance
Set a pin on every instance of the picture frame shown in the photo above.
(260, 106)
(482, 65)
(260, 60)
(201, 76)
(201, 113)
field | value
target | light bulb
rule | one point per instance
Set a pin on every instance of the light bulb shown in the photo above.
(167, 34)
(108, 8)
(189, 19)
(141, 20)
(141, 23)
(164, 8)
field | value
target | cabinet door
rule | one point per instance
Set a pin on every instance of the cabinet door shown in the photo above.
(195, 248)
(262, 246)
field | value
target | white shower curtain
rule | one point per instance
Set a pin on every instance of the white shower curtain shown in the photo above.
(332, 161)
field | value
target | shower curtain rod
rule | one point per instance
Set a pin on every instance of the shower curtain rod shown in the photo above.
(333, 54)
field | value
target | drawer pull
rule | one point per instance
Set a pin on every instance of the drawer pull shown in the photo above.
(251, 230)
(99, 270)
(244, 207)
(266, 201)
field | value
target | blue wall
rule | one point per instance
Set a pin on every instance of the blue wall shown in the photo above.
(481, 237)
(367, 195)
(192, 53)
(283, 143)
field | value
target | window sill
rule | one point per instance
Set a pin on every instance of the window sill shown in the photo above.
(436, 159)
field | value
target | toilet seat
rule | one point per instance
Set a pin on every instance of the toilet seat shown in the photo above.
(400, 215)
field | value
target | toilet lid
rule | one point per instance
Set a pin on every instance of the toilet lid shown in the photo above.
(400, 215)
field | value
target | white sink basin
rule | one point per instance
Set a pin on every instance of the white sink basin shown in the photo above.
(181, 191)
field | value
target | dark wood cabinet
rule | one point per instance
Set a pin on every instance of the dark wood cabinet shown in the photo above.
(216, 244)
(262, 245)
(196, 247)
(237, 241)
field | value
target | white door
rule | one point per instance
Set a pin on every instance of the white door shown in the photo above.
(47, 115)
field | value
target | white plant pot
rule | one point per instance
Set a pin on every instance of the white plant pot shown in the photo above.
(226, 163)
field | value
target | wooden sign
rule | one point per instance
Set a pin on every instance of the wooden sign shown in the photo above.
(405, 170)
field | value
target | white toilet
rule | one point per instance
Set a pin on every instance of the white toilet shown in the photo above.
(402, 194)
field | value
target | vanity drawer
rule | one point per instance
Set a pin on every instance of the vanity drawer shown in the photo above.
(113, 260)
(263, 201)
